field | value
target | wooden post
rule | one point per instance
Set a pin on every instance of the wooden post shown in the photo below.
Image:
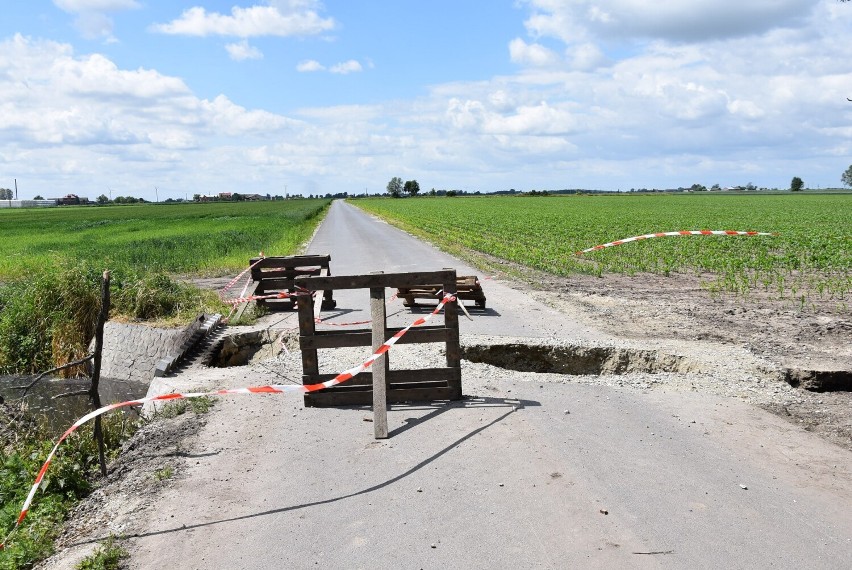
(451, 321)
(96, 368)
(380, 366)
(307, 328)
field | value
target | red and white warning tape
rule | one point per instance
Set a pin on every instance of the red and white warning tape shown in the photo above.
(680, 233)
(237, 278)
(270, 389)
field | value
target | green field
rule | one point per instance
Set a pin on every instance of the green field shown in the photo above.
(179, 238)
(811, 256)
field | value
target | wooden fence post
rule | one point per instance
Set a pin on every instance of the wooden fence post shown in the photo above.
(96, 368)
(378, 314)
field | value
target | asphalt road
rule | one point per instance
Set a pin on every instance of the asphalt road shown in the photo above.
(524, 474)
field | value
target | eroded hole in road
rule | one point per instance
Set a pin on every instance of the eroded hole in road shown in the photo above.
(819, 380)
(240, 349)
(577, 360)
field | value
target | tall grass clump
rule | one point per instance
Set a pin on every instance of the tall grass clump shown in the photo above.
(48, 317)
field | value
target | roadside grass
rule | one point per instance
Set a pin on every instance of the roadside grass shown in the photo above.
(811, 256)
(69, 479)
(108, 556)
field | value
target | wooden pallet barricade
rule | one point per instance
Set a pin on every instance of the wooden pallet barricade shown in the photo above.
(277, 274)
(381, 385)
(468, 288)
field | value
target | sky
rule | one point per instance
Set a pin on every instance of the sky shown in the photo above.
(165, 99)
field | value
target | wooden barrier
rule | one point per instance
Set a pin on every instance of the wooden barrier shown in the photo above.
(380, 385)
(276, 275)
(468, 288)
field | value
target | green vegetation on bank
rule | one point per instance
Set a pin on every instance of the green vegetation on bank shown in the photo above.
(50, 274)
(811, 256)
(24, 444)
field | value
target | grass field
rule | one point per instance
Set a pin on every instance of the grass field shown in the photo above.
(812, 255)
(180, 238)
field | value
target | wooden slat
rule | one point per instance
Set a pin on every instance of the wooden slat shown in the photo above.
(362, 337)
(291, 260)
(441, 375)
(393, 280)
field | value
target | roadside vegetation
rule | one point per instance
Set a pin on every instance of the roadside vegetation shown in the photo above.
(811, 256)
(50, 281)
(25, 443)
(50, 276)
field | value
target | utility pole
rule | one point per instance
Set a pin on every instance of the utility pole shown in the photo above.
(16, 188)
(157, 193)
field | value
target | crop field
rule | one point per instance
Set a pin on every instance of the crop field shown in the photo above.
(179, 238)
(811, 256)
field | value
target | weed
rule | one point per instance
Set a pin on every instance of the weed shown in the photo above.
(108, 556)
(165, 473)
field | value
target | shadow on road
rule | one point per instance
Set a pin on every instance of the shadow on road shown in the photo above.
(474, 402)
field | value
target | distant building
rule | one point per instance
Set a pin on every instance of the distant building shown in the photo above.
(70, 200)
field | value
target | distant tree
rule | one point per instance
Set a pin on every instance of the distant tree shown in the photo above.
(411, 187)
(237, 197)
(395, 187)
(796, 184)
(196, 197)
(38, 197)
(451, 193)
(102, 199)
(433, 193)
(750, 187)
(716, 187)
(846, 178)
(5, 194)
(698, 188)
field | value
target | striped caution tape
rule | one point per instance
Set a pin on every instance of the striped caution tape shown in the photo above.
(680, 233)
(233, 281)
(270, 389)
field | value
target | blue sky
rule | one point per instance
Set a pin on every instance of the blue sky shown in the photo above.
(317, 97)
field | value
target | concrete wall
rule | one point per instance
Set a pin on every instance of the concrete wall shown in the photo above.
(131, 352)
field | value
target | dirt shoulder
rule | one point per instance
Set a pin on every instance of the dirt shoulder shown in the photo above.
(802, 342)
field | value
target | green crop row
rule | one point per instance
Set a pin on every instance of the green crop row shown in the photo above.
(812, 255)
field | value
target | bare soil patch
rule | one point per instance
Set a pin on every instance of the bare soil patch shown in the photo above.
(801, 341)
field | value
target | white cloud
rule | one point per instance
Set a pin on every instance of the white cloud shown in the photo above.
(695, 20)
(92, 20)
(279, 19)
(531, 54)
(310, 65)
(343, 68)
(76, 6)
(242, 50)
